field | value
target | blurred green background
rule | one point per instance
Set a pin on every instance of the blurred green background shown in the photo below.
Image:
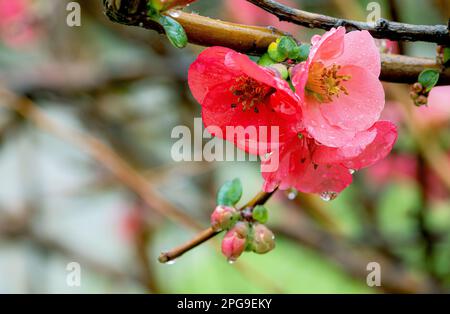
(127, 86)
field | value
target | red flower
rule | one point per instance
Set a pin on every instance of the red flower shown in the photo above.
(313, 168)
(244, 12)
(342, 95)
(236, 92)
(325, 134)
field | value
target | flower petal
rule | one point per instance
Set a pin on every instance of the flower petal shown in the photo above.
(330, 45)
(360, 50)
(321, 130)
(359, 109)
(296, 170)
(202, 79)
(379, 148)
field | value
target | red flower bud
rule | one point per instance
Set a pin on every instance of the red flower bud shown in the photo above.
(224, 217)
(163, 5)
(263, 239)
(235, 241)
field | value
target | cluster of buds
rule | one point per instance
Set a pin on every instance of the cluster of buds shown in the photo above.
(418, 94)
(245, 230)
(164, 5)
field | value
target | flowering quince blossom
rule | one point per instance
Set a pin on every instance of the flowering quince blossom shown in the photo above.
(328, 128)
(341, 100)
(341, 94)
(236, 92)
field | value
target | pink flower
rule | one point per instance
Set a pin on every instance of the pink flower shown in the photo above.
(327, 129)
(339, 86)
(437, 112)
(235, 241)
(401, 166)
(243, 12)
(387, 46)
(236, 92)
(16, 22)
(313, 168)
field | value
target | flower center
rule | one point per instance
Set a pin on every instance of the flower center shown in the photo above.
(250, 92)
(325, 82)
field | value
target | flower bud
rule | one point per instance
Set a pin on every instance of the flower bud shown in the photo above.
(421, 100)
(235, 241)
(163, 5)
(417, 88)
(223, 217)
(263, 239)
(274, 53)
(281, 70)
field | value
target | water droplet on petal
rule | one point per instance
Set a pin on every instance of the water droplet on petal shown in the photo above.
(267, 155)
(292, 194)
(352, 171)
(328, 196)
(231, 261)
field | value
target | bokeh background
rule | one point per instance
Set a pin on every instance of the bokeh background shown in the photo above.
(60, 203)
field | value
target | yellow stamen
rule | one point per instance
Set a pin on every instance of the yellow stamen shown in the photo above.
(250, 92)
(324, 82)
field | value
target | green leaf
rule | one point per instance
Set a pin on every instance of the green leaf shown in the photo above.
(265, 60)
(230, 193)
(174, 31)
(304, 52)
(446, 55)
(260, 214)
(286, 46)
(429, 78)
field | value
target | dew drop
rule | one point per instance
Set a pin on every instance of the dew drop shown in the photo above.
(292, 194)
(267, 155)
(171, 262)
(328, 196)
(231, 261)
(175, 13)
(352, 171)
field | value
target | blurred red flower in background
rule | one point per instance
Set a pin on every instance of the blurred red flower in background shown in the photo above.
(243, 12)
(16, 23)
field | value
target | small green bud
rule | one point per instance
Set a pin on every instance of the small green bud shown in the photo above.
(265, 60)
(286, 46)
(262, 239)
(303, 53)
(274, 53)
(260, 214)
(281, 69)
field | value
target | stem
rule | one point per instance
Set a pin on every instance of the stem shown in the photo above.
(260, 199)
(254, 40)
(438, 34)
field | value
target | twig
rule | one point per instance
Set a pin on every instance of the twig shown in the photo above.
(255, 40)
(438, 34)
(205, 235)
(104, 155)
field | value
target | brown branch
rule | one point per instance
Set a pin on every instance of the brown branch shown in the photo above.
(438, 34)
(255, 40)
(98, 150)
(205, 235)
